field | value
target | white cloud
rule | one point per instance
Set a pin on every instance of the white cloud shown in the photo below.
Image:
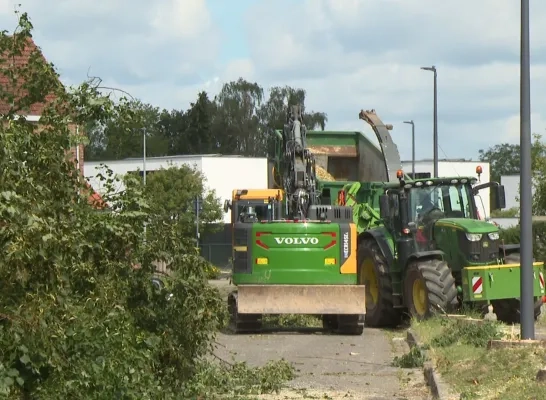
(353, 54)
(347, 54)
(186, 19)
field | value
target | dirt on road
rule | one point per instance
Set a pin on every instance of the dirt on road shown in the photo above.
(330, 366)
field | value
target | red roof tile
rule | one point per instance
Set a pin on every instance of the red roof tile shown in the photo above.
(16, 62)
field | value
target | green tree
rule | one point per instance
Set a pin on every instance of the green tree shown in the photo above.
(237, 123)
(172, 125)
(171, 193)
(503, 159)
(77, 319)
(122, 135)
(198, 136)
(273, 113)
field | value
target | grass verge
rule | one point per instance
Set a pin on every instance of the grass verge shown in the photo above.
(459, 351)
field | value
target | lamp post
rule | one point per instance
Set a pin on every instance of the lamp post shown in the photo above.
(526, 271)
(144, 155)
(144, 168)
(412, 147)
(435, 135)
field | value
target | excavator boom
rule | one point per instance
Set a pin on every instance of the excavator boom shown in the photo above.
(299, 179)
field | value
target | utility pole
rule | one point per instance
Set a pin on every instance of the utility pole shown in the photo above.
(435, 134)
(526, 223)
(412, 147)
(144, 168)
(144, 154)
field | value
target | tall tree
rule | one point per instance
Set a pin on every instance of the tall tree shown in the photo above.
(237, 124)
(199, 137)
(503, 159)
(122, 135)
(273, 112)
(172, 126)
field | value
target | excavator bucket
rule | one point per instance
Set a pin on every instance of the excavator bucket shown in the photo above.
(301, 299)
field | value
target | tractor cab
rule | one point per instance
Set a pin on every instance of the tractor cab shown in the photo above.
(441, 213)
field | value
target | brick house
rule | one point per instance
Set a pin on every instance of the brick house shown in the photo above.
(35, 110)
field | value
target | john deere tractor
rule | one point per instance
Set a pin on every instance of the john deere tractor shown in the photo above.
(422, 248)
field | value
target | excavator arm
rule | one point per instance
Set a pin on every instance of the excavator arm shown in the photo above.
(299, 174)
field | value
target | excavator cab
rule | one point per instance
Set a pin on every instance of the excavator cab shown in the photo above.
(255, 205)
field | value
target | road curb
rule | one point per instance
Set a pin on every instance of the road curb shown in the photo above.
(439, 389)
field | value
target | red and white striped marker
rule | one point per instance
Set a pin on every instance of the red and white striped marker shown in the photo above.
(541, 280)
(477, 284)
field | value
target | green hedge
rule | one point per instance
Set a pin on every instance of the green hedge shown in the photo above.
(512, 235)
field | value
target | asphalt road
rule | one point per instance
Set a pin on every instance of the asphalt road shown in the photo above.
(331, 366)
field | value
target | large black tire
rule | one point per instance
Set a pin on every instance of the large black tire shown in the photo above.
(242, 323)
(429, 289)
(329, 322)
(373, 272)
(508, 310)
(352, 324)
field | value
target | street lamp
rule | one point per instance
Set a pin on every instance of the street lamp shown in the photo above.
(412, 147)
(526, 218)
(144, 154)
(144, 169)
(435, 137)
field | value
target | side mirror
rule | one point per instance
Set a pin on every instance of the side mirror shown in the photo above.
(227, 205)
(384, 206)
(500, 198)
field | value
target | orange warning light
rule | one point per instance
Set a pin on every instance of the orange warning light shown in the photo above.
(479, 170)
(399, 174)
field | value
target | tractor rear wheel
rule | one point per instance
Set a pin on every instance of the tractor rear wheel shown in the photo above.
(508, 310)
(373, 272)
(429, 289)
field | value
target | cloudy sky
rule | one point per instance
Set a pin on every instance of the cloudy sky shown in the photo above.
(347, 54)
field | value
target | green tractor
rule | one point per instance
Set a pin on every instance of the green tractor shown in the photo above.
(423, 249)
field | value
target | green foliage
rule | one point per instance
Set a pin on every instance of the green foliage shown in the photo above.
(508, 213)
(291, 321)
(504, 159)
(171, 193)
(415, 358)
(512, 236)
(234, 380)
(467, 333)
(240, 120)
(79, 316)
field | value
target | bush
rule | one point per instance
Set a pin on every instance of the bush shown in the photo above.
(77, 319)
(512, 236)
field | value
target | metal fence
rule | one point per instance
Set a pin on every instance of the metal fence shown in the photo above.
(217, 254)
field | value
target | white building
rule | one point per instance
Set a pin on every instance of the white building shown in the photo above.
(223, 173)
(454, 168)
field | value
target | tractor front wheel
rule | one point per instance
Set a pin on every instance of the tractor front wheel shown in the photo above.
(373, 272)
(429, 289)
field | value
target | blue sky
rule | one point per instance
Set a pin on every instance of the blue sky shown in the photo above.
(347, 55)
